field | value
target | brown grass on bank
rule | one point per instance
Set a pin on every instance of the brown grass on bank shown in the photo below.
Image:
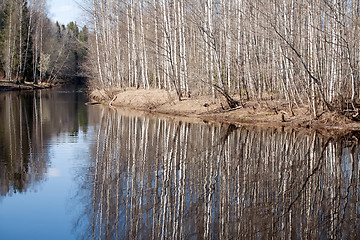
(271, 113)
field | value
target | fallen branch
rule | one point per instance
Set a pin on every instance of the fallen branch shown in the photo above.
(111, 102)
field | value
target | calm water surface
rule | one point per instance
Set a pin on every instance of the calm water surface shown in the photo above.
(71, 171)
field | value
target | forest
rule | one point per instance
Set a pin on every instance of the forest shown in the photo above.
(35, 49)
(303, 52)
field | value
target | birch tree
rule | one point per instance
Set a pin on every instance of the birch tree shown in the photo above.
(305, 53)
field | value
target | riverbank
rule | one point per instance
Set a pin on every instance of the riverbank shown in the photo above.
(13, 86)
(267, 113)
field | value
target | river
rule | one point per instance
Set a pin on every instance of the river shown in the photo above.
(71, 171)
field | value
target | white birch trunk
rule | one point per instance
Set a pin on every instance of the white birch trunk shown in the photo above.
(119, 81)
(18, 74)
(311, 59)
(143, 50)
(41, 46)
(227, 40)
(209, 40)
(174, 48)
(238, 44)
(133, 46)
(183, 40)
(157, 78)
(27, 42)
(9, 62)
(129, 46)
(167, 46)
(97, 44)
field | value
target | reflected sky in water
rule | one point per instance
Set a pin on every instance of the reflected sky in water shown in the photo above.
(47, 145)
(69, 171)
(43, 212)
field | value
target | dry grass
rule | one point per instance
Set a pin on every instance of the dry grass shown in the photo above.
(273, 113)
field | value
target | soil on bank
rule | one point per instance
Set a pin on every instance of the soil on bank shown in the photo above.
(267, 113)
(13, 86)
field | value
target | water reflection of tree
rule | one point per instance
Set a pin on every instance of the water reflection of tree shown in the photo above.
(28, 120)
(159, 179)
(21, 158)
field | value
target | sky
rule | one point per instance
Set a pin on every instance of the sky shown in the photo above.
(64, 11)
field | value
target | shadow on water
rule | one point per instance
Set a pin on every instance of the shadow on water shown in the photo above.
(158, 179)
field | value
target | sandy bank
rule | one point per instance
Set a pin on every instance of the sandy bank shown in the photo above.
(269, 113)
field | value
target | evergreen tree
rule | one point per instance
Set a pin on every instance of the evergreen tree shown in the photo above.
(84, 34)
(14, 39)
(73, 29)
(82, 47)
(33, 48)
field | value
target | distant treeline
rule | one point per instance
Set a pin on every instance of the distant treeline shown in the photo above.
(33, 48)
(306, 52)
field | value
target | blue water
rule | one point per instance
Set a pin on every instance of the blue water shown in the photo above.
(72, 171)
(44, 212)
(45, 209)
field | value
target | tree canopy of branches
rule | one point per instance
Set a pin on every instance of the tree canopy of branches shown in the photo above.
(33, 48)
(302, 51)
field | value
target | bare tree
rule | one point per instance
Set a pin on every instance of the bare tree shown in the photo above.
(303, 52)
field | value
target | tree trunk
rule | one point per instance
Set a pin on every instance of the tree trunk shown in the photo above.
(97, 44)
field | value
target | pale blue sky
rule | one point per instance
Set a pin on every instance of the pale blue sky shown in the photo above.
(64, 11)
